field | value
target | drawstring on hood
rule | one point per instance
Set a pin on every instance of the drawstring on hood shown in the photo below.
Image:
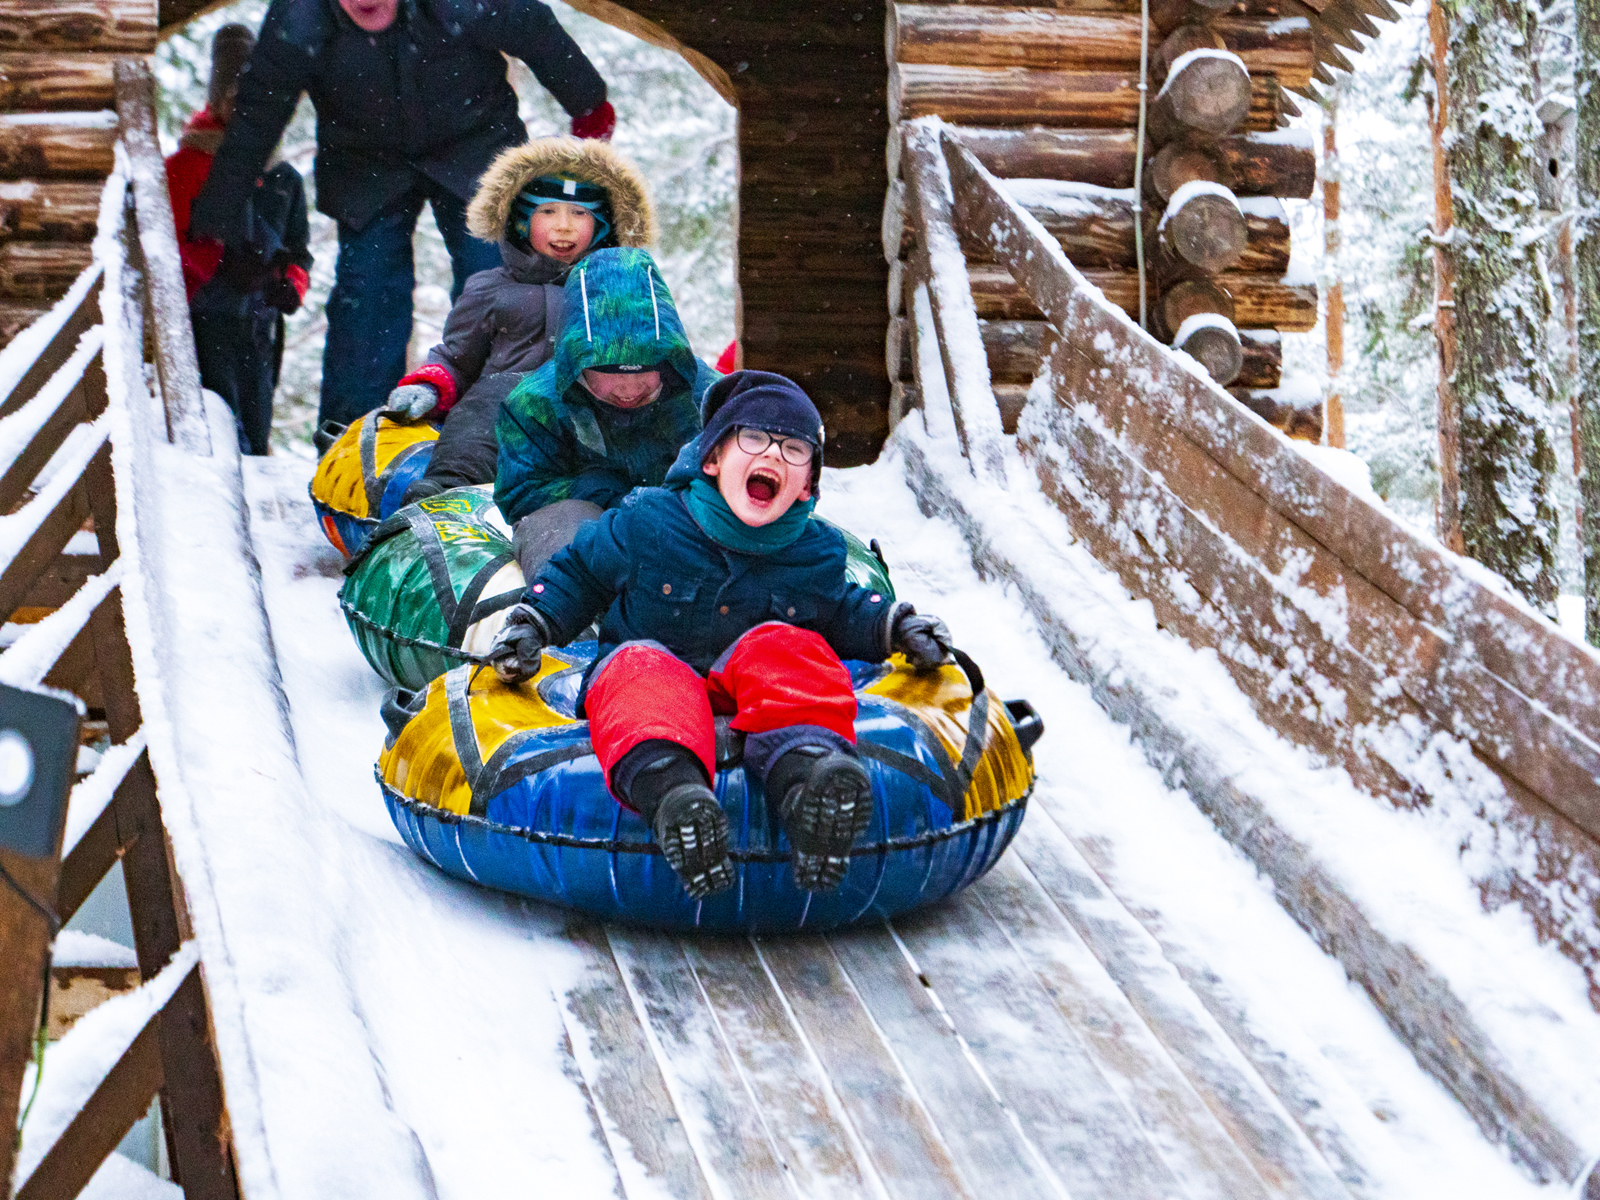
(654, 307)
(583, 286)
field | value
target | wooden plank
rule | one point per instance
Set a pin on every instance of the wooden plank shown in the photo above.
(987, 1148)
(77, 991)
(55, 82)
(55, 149)
(721, 1120)
(1277, 1149)
(1020, 97)
(124, 26)
(73, 323)
(54, 529)
(613, 1053)
(49, 211)
(41, 270)
(1037, 1062)
(907, 1151)
(17, 477)
(122, 1098)
(1261, 302)
(176, 364)
(1128, 1053)
(194, 1113)
(15, 316)
(99, 847)
(1067, 40)
(799, 1109)
(955, 318)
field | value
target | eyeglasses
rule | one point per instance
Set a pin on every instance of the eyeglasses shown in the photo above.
(796, 451)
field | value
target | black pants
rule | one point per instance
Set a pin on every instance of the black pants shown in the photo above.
(239, 342)
(467, 451)
(542, 532)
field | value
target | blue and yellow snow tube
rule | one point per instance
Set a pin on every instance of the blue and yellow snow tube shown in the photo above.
(361, 478)
(498, 785)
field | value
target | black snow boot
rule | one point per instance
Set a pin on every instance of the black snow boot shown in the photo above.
(666, 785)
(824, 802)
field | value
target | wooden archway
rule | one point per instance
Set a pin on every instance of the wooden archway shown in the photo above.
(809, 79)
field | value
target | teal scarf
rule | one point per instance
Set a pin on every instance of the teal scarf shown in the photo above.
(711, 512)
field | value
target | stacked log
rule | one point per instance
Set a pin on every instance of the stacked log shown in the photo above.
(1047, 99)
(57, 132)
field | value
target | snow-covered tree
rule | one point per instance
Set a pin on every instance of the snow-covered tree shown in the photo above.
(1587, 255)
(1503, 378)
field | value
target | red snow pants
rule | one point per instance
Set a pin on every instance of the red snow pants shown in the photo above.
(775, 676)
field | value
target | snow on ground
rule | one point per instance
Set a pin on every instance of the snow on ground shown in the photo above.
(1215, 916)
(459, 986)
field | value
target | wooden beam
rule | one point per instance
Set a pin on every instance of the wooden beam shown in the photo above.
(176, 363)
(55, 149)
(31, 82)
(49, 211)
(61, 346)
(1018, 97)
(123, 26)
(41, 270)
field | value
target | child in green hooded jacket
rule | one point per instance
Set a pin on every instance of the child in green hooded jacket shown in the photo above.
(607, 413)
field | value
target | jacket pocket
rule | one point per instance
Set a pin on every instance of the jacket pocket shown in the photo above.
(666, 595)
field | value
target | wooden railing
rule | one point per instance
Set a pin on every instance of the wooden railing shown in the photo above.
(57, 482)
(1350, 635)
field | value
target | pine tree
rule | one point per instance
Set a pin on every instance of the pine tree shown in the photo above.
(1586, 73)
(1502, 381)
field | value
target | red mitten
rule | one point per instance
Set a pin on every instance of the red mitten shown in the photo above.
(598, 123)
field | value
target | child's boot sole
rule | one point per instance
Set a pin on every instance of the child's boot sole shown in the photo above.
(824, 818)
(692, 831)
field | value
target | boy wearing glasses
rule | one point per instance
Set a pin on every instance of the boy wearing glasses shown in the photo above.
(721, 596)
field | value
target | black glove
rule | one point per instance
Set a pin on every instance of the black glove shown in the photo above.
(924, 641)
(517, 648)
(281, 294)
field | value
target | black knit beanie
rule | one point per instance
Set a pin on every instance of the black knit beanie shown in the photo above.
(230, 50)
(761, 400)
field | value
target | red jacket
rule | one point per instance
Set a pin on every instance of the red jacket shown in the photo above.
(187, 170)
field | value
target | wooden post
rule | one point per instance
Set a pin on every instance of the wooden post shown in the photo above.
(1448, 519)
(1333, 406)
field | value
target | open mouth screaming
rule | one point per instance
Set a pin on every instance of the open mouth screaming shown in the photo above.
(761, 486)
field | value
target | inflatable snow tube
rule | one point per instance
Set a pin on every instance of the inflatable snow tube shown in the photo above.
(361, 478)
(498, 785)
(430, 588)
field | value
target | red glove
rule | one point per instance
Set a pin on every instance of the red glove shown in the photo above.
(598, 123)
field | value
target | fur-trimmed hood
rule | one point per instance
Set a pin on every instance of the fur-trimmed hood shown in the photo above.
(633, 217)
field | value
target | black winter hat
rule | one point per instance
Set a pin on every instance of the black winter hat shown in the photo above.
(761, 400)
(230, 50)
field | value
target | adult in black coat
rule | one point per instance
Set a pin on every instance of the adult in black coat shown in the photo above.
(412, 104)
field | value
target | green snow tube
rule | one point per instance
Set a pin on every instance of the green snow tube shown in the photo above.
(430, 588)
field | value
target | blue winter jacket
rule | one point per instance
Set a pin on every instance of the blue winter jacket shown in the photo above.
(656, 575)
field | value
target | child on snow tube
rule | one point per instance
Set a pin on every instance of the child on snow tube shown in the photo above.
(548, 204)
(608, 412)
(720, 594)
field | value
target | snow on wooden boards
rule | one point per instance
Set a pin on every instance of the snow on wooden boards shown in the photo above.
(985, 1047)
(1350, 636)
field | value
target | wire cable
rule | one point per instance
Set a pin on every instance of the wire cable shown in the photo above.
(1138, 160)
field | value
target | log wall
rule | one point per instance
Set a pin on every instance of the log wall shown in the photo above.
(57, 129)
(1047, 98)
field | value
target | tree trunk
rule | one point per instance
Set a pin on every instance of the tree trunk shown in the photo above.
(1586, 256)
(1502, 378)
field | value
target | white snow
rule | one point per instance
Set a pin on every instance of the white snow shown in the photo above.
(75, 948)
(90, 796)
(1349, 469)
(1186, 193)
(31, 655)
(22, 351)
(1195, 322)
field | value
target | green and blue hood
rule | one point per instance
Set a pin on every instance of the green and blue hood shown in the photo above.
(619, 313)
